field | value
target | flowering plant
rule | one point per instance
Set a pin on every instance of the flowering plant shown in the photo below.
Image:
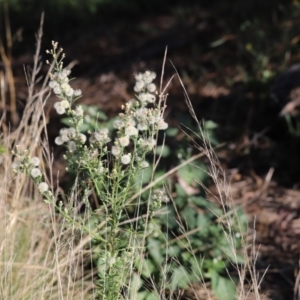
(107, 165)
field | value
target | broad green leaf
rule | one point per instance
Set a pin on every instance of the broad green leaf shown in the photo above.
(202, 222)
(135, 285)
(148, 268)
(141, 295)
(163, 151)
(196, 266)
(155, 251)
(174, 251)
(95, 111)
(169, 219)
(152, 296)
(223, 288)
(189, 216)
(192, 172)
(180, 278)
(143, 177)
(181, 198)
(172, 131)
(186, 173)
(209, 125)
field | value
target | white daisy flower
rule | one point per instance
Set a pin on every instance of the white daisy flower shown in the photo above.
(43, 187)
(53, 84)
(115, 150)
(78, 110)
(65, 103)
(124, 141)
(118, 124)
(139, 85)
(151, 87)
(77, 93)
(58, 140)
(151, 98)
(59, 108)
(125, 159)
(35, 172)
(64, 137)
(144, 164)
(69, 92)
(35, 161)
(162, 125)
(57, 90)
(138, 76)
(142, 126)
(131, 130)
(82, 138)
(65, 86)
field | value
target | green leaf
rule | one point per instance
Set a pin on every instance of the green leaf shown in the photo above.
(210, 125)
(135, 285)
(148, 268)
(223, 288)
(203, 222)
(189, 216)
(179, 278)
(141, 295)
(145, 295)
(192, 172)
(143, 177)
(163, 151)
(152, 296)
(172, 131)
(94, 111)
(196, 266)
(155, 251)
(174, 251)
(169, 220)
(211, 208)
(186, 173)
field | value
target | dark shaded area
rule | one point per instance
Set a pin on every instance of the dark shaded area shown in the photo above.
(229, 55)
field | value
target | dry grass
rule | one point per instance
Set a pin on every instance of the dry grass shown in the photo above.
(39, 254)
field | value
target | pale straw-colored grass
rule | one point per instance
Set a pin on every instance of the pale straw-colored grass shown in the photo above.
(41, 257)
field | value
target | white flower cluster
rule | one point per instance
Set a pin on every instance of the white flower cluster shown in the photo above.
(139, 118)
(145, 87)
(71, 137)
(59, 83)
(139, 123)
(100, 137)
(31, 167)
(159, 195)
(144, 82)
